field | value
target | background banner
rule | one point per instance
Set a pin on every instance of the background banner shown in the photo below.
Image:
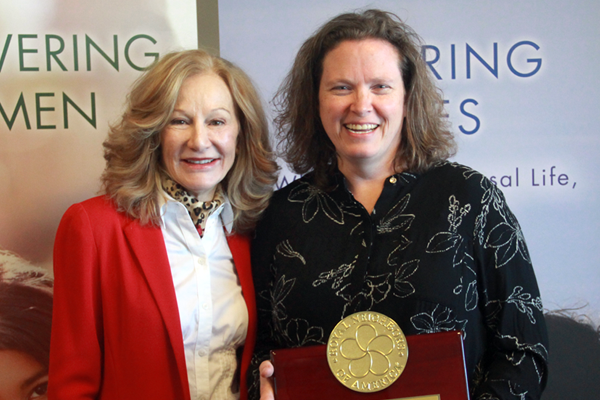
(521, 89)
(65, 67)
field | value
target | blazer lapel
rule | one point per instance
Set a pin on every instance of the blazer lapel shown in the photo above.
(148, 247)
(240, 250)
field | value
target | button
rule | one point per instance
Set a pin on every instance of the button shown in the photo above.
(205, 306)
(202, 353)
(393, 179)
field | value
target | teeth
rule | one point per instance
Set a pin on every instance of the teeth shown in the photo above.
(200, 161)
(361, 127)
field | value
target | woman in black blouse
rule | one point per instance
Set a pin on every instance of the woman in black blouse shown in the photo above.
(383, 222)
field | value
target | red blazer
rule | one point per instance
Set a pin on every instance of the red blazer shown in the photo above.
(116, 332)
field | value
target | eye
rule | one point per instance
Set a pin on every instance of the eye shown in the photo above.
(341, 87)
(381, 88)
(178, 121)
(39, 392)
(216, 122)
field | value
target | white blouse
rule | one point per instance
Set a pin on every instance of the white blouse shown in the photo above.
(212, 311)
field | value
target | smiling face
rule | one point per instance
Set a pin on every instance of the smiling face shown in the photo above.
(361, 104)
(21, 377)
(199, 142)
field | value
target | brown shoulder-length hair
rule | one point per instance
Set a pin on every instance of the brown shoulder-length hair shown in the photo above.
(134, 169)
(426, 137)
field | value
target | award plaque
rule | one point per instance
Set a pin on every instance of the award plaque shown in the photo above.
(368, 357)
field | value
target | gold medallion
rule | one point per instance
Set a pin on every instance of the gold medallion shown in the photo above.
(367, 351)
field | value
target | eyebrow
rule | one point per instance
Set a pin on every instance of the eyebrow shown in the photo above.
(34, 378)
(213, 110)
(222, 109)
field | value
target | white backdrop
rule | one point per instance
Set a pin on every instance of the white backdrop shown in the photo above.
(521, 82)
(55, 56)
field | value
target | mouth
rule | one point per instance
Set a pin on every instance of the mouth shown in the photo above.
(200, 162)
(361, 128)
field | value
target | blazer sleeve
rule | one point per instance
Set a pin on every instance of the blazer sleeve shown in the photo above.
(77, 331)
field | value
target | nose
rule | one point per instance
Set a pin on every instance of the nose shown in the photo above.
(362, 104)
(199, 137)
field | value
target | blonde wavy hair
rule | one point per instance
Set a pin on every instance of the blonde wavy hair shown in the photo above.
(426, 136)
(134, 169)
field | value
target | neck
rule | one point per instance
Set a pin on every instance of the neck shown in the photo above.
(366, 184)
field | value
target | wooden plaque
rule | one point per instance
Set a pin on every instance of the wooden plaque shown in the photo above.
(435, 371)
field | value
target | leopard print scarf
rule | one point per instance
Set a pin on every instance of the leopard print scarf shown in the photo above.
(199, 210)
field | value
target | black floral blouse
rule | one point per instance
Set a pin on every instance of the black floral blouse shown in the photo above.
(441, 251)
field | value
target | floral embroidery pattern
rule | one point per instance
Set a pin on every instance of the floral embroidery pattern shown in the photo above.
(395, 219)
(445, 241)
(402, 287)
(296, 332)
(523, 301)
(508, 241)
(299, 333)
(374, 289)
(285, 249)
(337, 275)
(505, 237)
(277, 296)
(439, 320)
(519, 356)
(491, 200)
(451, 239)
(315, 200)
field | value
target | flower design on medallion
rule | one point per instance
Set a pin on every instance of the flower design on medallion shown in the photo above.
(367, 352)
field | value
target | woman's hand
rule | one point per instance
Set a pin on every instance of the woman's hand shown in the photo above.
(266, 370)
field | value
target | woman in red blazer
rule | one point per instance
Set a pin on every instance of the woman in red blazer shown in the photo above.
(153, 291)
